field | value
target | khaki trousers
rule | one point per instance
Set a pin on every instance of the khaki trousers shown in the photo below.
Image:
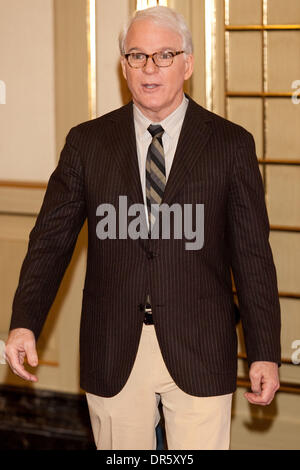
(127, 420)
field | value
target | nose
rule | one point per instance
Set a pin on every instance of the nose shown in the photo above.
(150, 66)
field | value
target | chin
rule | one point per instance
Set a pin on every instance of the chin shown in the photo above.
(153, 104)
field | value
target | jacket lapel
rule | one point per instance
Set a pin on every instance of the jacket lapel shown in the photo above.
(193, 138)
(124, 151)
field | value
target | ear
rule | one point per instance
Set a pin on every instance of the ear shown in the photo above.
(123, 65)
(189, 66)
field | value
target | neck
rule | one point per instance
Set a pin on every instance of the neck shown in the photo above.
(159, 115)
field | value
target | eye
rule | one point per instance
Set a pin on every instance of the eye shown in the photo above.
(138, 56)
(165, 55)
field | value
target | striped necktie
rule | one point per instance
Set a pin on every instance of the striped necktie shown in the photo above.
(155, 177)
(155, 172)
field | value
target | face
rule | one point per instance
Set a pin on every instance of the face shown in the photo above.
(156, 91)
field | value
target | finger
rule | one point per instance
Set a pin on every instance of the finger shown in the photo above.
(17, 368)
(256, 400)
(256, 383)
(32, 357)
(264, 398)
(23, 373)
(21, 358)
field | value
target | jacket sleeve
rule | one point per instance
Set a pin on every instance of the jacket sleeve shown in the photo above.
(51, 242)
(251, 257)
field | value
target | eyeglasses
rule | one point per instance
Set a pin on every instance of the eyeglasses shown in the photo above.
(138, 60)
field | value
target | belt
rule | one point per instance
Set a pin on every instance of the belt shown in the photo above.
(148, 319)
(147, 310)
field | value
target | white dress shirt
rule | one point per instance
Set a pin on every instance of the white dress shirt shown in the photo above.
(172, 125)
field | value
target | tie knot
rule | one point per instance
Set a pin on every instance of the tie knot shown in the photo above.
(156, 131)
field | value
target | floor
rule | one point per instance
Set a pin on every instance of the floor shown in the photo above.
(46, 420)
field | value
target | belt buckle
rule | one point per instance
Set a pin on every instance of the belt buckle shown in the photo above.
(148, 309)
(148, 319)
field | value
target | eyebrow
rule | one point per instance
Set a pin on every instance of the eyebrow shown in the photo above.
(160, 49)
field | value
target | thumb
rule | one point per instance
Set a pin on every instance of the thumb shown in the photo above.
(31, 353)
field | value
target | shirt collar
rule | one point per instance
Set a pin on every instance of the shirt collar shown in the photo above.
(169, 124)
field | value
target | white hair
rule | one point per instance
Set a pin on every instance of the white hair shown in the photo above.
(161, 16)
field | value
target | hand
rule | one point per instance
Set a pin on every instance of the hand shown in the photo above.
(21, 344)
(264, 379)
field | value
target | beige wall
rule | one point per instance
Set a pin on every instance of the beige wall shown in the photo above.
(27, 120)
(111, 88)
(61, 101)
(71, 61)
(55, 35)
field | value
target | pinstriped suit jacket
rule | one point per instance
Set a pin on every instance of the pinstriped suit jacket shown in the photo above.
(215, 164)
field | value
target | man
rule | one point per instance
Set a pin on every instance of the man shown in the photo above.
(157, 318)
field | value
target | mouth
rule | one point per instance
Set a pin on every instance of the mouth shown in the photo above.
(150, 86)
